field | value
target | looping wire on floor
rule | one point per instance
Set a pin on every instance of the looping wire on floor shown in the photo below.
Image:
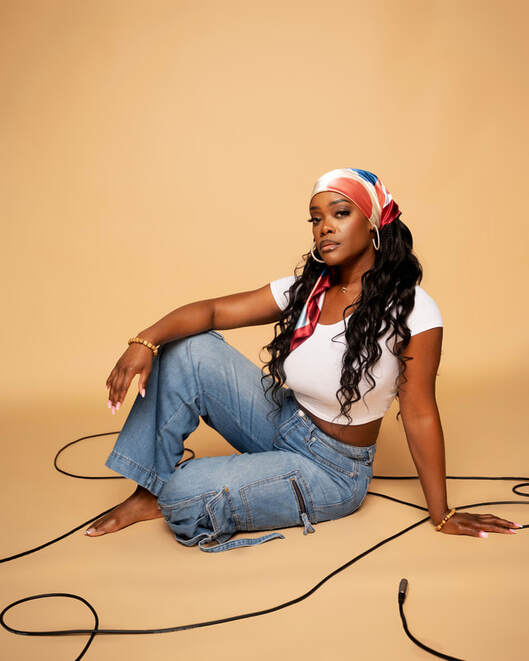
(402, 586)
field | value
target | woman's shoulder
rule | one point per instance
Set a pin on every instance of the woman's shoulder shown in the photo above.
(280, 289)
(422, 297)
(425, 313)
(287, 279)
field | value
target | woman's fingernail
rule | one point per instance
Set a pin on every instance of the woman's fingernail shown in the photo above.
(89, 531)
(109, 403)
(519, 525)
(143, 393)
(514, 531)
(117, 406)
(107, 387)
(483, 534)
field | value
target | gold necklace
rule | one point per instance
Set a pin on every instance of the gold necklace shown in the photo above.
(356, 300)
(345, 289)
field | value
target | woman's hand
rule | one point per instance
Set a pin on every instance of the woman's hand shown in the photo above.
(137, 359)
(478, 525)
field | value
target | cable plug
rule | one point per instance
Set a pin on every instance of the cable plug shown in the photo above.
(403, 586)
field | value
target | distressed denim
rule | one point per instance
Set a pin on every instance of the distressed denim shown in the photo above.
(286, 471)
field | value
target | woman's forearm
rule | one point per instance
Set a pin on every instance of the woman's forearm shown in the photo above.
(187, 320)
(426, 443)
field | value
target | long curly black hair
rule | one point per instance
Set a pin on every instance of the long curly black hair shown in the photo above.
(387, 298)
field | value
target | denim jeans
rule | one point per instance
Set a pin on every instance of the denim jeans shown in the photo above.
(287, 472)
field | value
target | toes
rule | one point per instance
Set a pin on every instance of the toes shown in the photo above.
(91, 532)
(100, 528)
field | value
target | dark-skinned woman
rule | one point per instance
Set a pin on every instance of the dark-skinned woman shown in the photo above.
(353, 330)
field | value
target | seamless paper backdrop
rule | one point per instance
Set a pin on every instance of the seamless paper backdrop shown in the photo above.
(154, 154)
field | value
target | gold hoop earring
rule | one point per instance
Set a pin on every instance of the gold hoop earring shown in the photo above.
(322, 261)
(378, 237)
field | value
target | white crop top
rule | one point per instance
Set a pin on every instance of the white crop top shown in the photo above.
(314, 368)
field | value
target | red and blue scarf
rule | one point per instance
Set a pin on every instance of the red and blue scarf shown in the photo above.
(310, 313)
(368, 192)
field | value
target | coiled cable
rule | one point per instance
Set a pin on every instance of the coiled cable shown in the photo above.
(401, 595)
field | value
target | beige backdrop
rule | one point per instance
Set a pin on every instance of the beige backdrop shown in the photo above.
(158, 153)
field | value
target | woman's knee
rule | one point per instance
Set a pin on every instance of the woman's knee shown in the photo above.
(186, 351)
(205, 342)
(191, 479)
(177, 486)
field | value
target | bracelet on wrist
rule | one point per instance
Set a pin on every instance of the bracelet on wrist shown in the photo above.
(440, 525)
(140, 340)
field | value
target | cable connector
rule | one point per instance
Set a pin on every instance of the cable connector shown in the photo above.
(403, 586)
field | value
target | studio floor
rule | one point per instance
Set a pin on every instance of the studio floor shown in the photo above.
(466, 597)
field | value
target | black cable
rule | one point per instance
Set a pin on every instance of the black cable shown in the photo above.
(97, 631)
(403, 586)
(99, 477)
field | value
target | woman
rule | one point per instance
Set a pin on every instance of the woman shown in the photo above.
(306, 453)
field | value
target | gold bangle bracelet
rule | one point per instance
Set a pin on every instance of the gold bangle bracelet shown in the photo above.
(140, 340)
(440, 525)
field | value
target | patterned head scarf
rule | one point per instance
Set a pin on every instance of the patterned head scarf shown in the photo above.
(374, 200)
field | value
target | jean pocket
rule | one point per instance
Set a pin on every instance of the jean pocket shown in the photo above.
(329, 456)
(208, 516)
(277, 502)
(221, 514)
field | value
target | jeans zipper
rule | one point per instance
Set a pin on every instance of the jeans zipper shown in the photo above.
(303, 510)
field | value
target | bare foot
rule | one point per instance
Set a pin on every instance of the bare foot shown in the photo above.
(142, 505)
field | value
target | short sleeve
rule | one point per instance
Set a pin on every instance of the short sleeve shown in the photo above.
(425, 313)
(280, 289)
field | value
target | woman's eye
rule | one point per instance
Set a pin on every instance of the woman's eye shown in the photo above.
(346, 212)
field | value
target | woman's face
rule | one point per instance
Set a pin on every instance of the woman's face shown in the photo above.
(335, 218)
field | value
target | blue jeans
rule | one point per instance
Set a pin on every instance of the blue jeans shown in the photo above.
(288, 472)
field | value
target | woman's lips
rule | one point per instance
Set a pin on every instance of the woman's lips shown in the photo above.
(329, 246)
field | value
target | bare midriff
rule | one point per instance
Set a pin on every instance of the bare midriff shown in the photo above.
(361, 435)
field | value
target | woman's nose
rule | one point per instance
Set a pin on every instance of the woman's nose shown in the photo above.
(326, 227)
